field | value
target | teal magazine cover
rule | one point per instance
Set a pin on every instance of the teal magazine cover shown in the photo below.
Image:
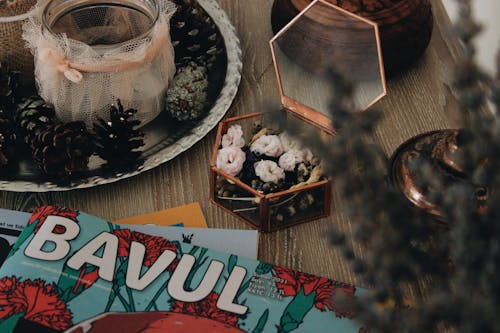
(240, 242)
(74, 273)
(11, 225)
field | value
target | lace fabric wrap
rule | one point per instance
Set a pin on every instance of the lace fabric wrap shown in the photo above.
(82, 79)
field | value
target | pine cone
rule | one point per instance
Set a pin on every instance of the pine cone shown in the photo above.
(117, 140)
(194, 35)
(7, 140)
(187, 94)
(62, 149)
(33, 115)
(9, 90)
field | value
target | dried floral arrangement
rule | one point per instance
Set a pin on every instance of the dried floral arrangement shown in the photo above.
(265, 176)
(270, 162)
(423, 278)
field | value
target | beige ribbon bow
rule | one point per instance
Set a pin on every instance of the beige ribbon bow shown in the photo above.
(73, 71)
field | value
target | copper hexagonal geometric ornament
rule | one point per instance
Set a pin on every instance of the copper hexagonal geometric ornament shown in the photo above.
(322, 37)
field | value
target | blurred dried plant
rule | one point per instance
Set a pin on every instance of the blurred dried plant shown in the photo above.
(459, 266)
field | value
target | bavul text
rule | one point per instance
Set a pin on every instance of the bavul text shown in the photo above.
(107, 261)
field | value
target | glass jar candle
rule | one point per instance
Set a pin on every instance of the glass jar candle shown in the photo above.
(90, 53)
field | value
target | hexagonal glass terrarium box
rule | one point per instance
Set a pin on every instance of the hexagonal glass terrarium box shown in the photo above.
(323, 36)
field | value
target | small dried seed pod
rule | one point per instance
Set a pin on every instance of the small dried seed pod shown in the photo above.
(302, 172)
(303, 204)
(310, 198)
(220, 182)
(280, 218)
(256, 126)
(267, 187)
(256, 136)
(291, 210)
(315, 161)
(232, 188)
(256, 184)
(273, 132)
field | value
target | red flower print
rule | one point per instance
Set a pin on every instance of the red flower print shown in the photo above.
(124, 239)
(7, 287)
(86, 279)
(38, 301)
(155, 246)
(206, 308)
(40, 215)
(291, 282)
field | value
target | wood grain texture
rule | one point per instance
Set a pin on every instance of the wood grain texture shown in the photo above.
(419, 100)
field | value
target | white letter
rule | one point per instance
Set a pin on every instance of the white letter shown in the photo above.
(207, 284)
(136, 257)
(106, 263)
(225, 301)
(61, 241)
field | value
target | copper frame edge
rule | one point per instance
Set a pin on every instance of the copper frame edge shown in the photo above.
(268, 228)
(302, 221)
(238, 182)
(218, 139)
(212, 184)
(381, 66)
(298, 189)
(238, 216)
(242, 117)
(315, 118)
(264, 216)
(328, 199)
(379, 51)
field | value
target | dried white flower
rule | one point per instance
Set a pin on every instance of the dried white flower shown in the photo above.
(298, 154)
(289, 160)
(233, 137)
(269, 171)
(230, 160)
(307, 155)
(269, 145)
(289, 143)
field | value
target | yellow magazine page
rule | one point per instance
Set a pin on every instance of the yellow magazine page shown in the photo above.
(184, 216)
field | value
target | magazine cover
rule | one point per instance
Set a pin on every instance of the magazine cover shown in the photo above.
(75, 273)
(240, 242)
(11, 225)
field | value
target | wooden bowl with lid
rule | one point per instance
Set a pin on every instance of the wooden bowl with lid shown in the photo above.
(405, 26)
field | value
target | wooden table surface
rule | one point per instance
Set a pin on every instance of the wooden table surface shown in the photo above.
(419, 100)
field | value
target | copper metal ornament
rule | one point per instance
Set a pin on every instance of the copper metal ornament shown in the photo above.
(436, 149)
(405, 26)
(330, 25)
